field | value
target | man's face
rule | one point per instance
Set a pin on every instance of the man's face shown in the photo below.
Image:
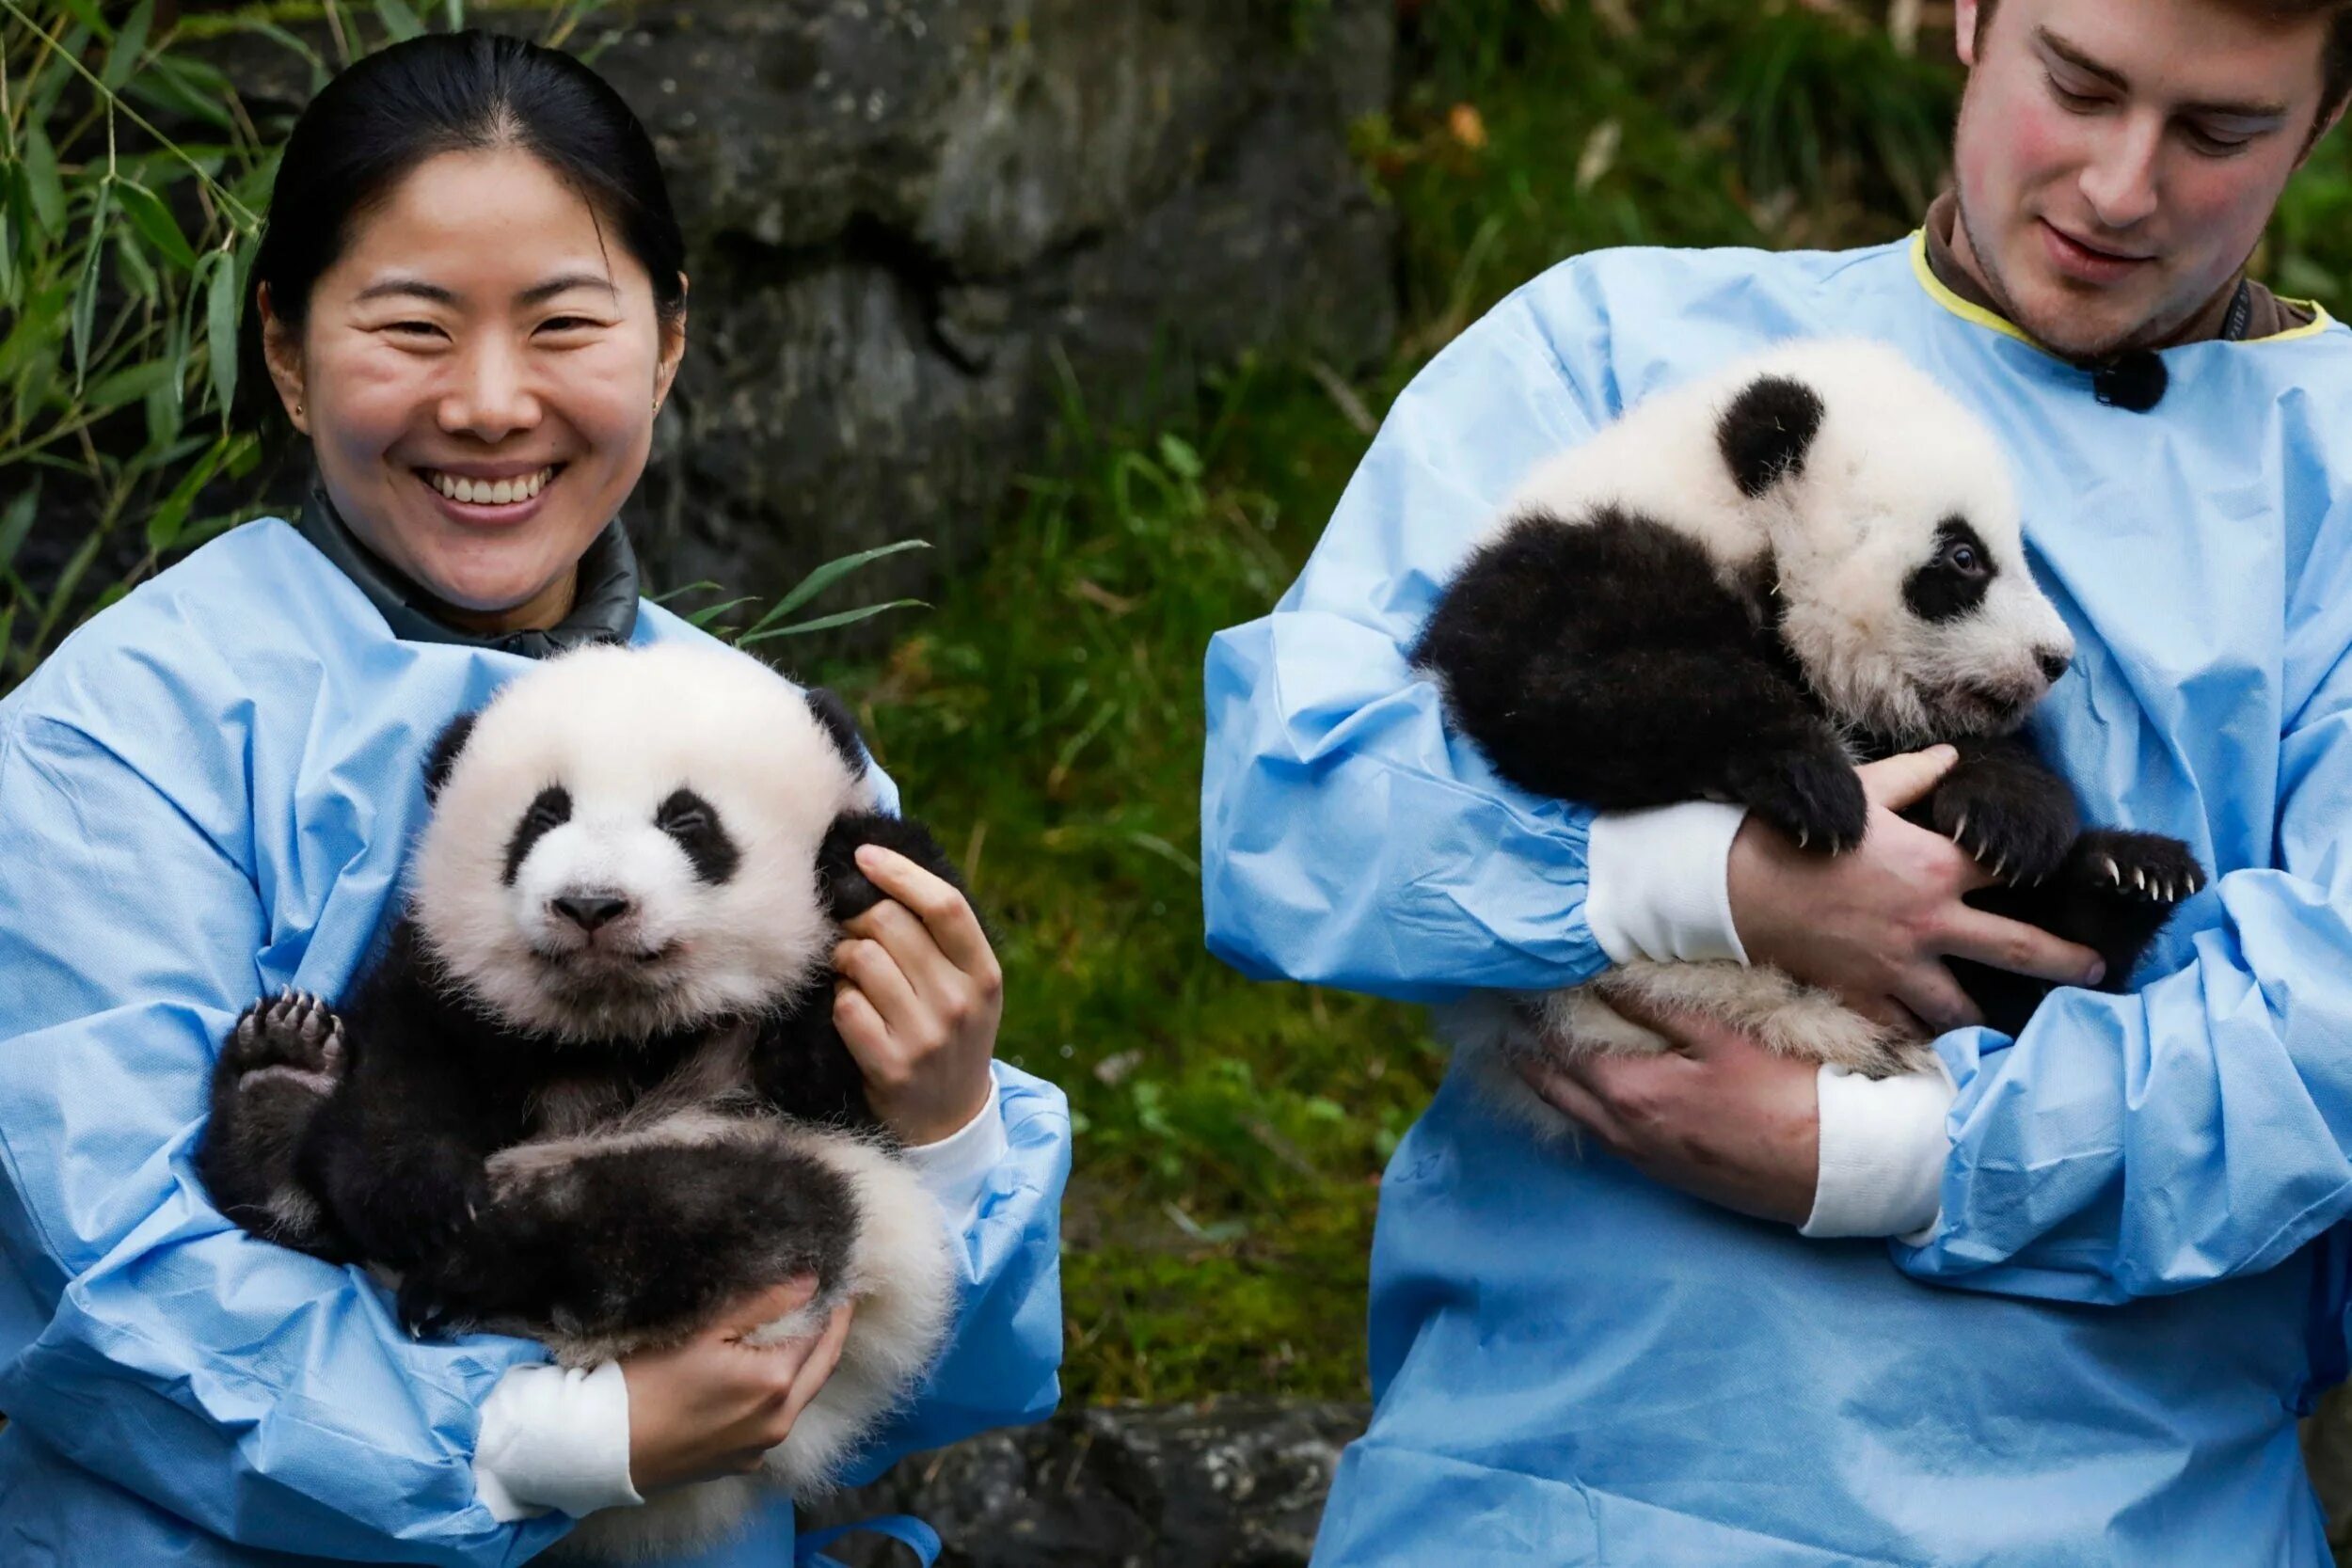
(2117, 159)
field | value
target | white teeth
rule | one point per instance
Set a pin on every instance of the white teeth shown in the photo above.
(484, 491)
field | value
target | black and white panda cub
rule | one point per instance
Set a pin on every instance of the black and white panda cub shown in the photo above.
(593, 1091)
(1738, 590)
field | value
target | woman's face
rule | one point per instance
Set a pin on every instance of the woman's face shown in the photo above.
(478, 376)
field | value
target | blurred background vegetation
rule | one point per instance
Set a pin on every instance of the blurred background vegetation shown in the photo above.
(1047, 712)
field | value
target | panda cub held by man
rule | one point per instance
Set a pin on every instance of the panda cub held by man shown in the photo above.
(593, 1091)
(1737, 592)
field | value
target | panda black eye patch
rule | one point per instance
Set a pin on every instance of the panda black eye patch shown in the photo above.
(1953, 579)
(691, 820)
(550, 808)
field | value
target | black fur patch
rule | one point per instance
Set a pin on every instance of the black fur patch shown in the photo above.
(849, 893)
(1952, 580)
(550, 808)
(443, 756)
(694, 822)
(1767, 431)
(840, 726)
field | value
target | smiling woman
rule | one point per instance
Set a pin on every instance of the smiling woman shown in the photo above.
(471, 299)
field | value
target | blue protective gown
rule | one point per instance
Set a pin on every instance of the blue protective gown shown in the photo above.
(204, 795)
(1574, 1365)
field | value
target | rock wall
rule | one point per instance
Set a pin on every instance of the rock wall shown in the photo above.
(1236, 1484)
(899, 210)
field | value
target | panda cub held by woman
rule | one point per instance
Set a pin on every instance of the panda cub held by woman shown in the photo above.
(593, 1091)
(1737, 592)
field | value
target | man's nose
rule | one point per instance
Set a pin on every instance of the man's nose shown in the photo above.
(489, 395)
(2120, 182)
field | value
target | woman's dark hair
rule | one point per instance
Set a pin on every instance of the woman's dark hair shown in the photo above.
(450, 92)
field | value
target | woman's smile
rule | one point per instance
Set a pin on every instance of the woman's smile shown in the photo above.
(477, 493)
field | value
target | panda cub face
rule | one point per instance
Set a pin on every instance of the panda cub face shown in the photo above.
(1897, 560)
(624, 841)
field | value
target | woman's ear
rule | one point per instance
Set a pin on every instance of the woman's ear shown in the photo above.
(673, 348)
(281, 349)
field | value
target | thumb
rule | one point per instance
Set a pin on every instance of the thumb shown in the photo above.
(1900, 781)
(747, 1314)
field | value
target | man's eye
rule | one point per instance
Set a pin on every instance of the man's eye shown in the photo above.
(2071, 100)
(2215, 146)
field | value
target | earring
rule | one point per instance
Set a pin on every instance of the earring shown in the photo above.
(297, 409)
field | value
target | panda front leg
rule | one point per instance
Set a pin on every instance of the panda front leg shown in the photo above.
(282, 1061)
(2009, 810)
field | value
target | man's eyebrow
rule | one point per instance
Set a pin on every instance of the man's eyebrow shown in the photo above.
(2115, 79)
(539, 292)
(416, 288)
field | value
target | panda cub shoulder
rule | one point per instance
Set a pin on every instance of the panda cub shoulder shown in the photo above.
(1742, 587)
(592, 1091)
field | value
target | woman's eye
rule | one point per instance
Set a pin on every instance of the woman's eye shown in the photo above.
(412, 329)
(566, 323)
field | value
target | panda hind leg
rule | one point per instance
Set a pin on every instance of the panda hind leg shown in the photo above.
(282, 1059)
(1784, 1015)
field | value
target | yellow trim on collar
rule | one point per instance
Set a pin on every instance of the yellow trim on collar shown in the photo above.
(1996, 321)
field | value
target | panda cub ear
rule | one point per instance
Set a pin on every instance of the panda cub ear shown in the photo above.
(443, 756)
(839, 726)
(1767, 431)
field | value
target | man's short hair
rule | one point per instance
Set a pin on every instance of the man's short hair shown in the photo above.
(2335, 59)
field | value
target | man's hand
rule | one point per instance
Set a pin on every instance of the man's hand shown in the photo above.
(1875, 924)
(1720, 1117)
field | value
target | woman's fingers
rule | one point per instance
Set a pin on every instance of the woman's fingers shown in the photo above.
(824, 1355)
(945, 913)
(882, 974)
(758, 1310)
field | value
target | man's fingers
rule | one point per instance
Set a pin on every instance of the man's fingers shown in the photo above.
(1571, 1098)
(1935, 999)
(2021, 949)
(946, 913)
(1898, 782)
(824, 1354)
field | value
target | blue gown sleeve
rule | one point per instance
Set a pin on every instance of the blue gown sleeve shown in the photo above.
(1347, 838)
(1003, 1360)
(2130, 1146)
(261, 1395)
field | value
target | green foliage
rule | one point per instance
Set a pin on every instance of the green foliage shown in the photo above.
(1047, 719)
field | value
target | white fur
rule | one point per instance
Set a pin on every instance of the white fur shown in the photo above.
(1895, 455)
(621, 729)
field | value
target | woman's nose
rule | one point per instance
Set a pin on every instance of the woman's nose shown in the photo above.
(490, 396)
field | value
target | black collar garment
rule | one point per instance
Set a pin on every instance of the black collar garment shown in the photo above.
(604, 608)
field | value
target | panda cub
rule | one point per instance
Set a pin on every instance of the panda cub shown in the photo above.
(592, 1091)
(1737, 592)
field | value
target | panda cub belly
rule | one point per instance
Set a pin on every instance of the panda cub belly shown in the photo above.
(1737, 592)
(591, 1092)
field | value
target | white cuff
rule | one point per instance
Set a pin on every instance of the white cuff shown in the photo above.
(955, 1169)
(1658, 882)
(1883, 1145)
(557, 1438)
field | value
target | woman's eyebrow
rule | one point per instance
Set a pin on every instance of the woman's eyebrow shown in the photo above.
(414, 286)
(556, 285)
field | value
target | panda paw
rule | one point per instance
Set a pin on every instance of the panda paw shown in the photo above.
(2019, 834)
(291, 1038)
(1815, 797)
(2146, 868)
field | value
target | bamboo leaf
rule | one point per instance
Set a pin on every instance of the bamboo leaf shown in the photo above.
(139, 274)
(826, 622)
(399, 20)
(702, 619)
(123, 58)
(86, 293)
(40, 173)
(17, 522)
(220, 329)
(87, 13)
(164, 527)
(453, 14)
(127, 385)
(826, 576)
(184, 86)
(294, 41)
(154, 220)
(680, 592)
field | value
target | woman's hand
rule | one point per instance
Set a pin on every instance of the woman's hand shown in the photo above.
(1719, 1116)
(1875, 924)
(714, 1405)
(918, 1001)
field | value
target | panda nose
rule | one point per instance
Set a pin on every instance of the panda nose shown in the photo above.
(589, 910)
(2054, 662)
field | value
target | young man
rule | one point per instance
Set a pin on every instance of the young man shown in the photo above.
(1576, 1363)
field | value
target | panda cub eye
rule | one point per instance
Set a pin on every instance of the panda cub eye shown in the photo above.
(548, 810)
(1962, 556)
(693, 824)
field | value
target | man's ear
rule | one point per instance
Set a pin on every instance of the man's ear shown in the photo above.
(1964, 31)
(1767, 431)
(443, 756)
(2312, 142)
(281, 350)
